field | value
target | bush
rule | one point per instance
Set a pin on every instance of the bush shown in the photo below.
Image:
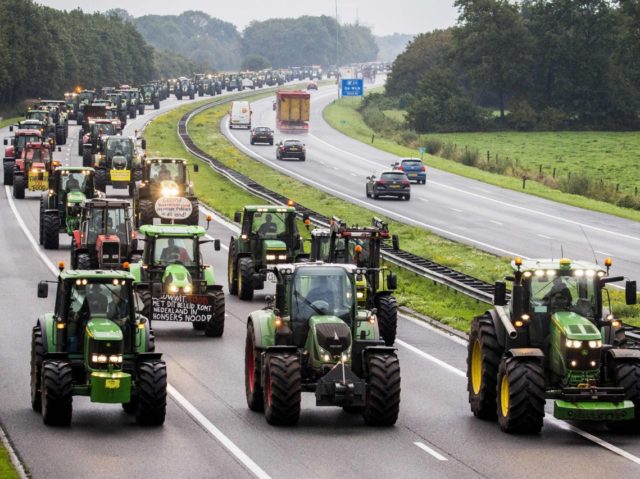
(551, 119)
(469, 157)
(409, 138)
(434, 146)
(523, 117)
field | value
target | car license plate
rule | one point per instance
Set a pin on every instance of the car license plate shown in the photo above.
(271, 277)
(413, 175)
(294, 149)
(395, 186)
(112, 383)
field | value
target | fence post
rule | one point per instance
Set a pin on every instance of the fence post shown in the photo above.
(540, 171)
(524, 182)
(617, 187)
(488, 157)
(554, 172)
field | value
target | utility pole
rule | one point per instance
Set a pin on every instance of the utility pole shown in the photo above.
(337, 57)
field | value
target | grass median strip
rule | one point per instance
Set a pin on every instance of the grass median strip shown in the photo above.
(415, 292)
(7, 471)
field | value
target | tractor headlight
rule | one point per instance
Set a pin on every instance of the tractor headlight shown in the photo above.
(574, 343)
(326, 357)
(271, 257)
(595, 344)
(360, 295)
(115, 358)
(99, 358)
(282, 257)
(187, 289)
(166, 191)
(173, 288)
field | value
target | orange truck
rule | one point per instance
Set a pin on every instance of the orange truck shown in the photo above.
(292, 111)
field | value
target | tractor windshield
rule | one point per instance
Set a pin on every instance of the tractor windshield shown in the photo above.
(119, 147)
(22, 140)
(108, 221)
(167, 171)
(37, 115)
(321, 291)
(564, 293)
(91, 299)
(103, 129)
(175, 250)
(37, 154)
(73, 181)
(272, 224)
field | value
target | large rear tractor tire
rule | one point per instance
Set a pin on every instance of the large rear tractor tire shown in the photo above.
(232, 277)
(145, 299)
(215, 327)
(51, 230)
(132, 112)
(41, 220)
(37, 358)
(146, 212)
(100, 179)
(252, 368)
(19, 186)
(383, 396)
(387, 318)
(61, 138)
(194, 217)
(483, 358)
(83, 261)
(282, 389)
(151, 393)
(9, 167)
(57, 393)
(520, 394)
(86, 156)
(245, 279)
(627, 376)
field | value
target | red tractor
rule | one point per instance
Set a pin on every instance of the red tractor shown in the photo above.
(14, 146)
(33, 168)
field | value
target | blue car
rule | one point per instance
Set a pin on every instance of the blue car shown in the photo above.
(414, 169)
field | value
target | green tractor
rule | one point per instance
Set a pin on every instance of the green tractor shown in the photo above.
(105, 238)
(554, 339)
(362, 247)
(173, 282)
(95, 345)
(60, 207)
(269, 236)
(165, 192)
(119, 163)
(315, 338)
(151, 95)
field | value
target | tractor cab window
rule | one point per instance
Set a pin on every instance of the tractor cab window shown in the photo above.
(109, 221)
(321, 291)
(21, 141)
(73, 181)
(119, 147)
(167, 171)
(175, 250)
(37, 154)
(37, 115)
(271, 224)
(103, 129)
(564, 293)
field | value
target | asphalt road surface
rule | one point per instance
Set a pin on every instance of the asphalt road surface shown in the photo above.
(210, 432)
(500, 221)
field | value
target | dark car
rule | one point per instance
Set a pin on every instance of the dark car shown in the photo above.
(389, 183)
(413, 168)
(262, 134)
(294, 149)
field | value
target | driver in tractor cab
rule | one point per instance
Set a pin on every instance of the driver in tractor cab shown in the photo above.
(361, 254)
(118, 310)
(164, 173)
(174, 252)
(559, 298)
(72, 184)
(323, 292)
(267, 227)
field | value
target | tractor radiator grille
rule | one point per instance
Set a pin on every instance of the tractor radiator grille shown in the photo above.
(334, 337)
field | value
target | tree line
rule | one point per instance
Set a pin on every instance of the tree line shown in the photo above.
(532, 64)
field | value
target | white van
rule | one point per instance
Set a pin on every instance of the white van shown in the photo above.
(240, 115)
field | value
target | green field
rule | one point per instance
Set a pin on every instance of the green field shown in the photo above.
(9, 121)
(7, 471)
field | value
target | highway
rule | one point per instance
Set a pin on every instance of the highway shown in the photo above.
(210, 432)
(497, 220)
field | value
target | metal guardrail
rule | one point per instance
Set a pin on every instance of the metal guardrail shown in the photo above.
(460, 282)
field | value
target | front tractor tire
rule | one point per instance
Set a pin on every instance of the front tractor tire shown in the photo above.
(520, 394)
(627, 376)
(282, 390)
(232, 277)
(245, 279)
(383, 390)
(37, 358)
(146, 213)
(252, 367)
(51, 230)
(483, 358)
(387, 307)
(19, 186)
(9, 167)
(57, 393)
(215, 327)
(151, 397)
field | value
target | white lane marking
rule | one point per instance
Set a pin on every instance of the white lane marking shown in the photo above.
(551, 419)
(496, 222)
(173, 392)
(218, 434)
(603, 253)
(544, 236)
(456, 210)
(503, 203)
(428, 450)
(359, 201)
(424, 199)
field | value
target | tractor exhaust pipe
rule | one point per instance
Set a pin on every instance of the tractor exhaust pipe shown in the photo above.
(506, 322)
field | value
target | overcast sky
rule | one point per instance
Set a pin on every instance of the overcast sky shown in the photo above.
(383, 16)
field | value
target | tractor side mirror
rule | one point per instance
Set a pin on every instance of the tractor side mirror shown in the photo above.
(156, 290)
(143, 143)
(517, 296)
(630, 293)
(395, 241)
(5, 142)
(59, 148)
(196, 168)
(216, 245)
(268, 300)
(11, 128)
(43, 289)
(392, 281)
(237, 217)
(281, 291)
(500, 293)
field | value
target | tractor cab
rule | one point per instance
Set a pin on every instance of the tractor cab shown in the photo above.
(68, 181)
(32, 169)
(119, 163)
(105, 238)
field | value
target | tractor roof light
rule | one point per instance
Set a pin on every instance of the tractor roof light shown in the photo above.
(551, 273)
(539, 273)
(608, 262)
(578, 273)
(61, 265)
(565, 263)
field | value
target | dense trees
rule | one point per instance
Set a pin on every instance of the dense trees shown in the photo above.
(550, 63)
(44, 52)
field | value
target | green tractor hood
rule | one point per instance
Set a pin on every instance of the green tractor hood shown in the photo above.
(329, 337)
(76, 197)
(178, 275)
(104, 330)
(575, 327)
(271, 244)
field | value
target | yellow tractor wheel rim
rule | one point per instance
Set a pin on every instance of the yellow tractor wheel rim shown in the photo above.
(230, 271)
(476, 367)
(504, 395)
(239, 278)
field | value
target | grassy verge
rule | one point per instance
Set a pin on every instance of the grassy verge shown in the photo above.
(415, 292)
(7, 471)
(344, 117)
(9, 121)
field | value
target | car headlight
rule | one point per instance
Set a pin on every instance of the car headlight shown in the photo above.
(574, 343)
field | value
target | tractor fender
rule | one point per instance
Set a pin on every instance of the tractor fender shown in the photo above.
(624, 354)
(531, 353)
(214, 287)
(46, 327)
(8, 158)
(209, 277)
(135, 270)
(76, 237)
(263, 328)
